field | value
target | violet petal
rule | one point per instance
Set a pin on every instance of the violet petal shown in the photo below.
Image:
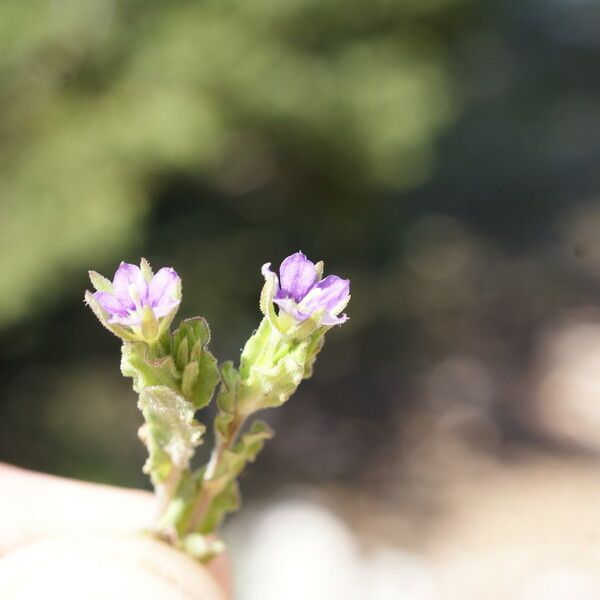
(162, 290)
(289, 306)
(297, 275)
(110, 304)
(131, 319)
(326, 294)
(333, 320)
(128, 275)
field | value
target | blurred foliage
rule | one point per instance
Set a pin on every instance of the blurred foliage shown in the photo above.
(99, 96)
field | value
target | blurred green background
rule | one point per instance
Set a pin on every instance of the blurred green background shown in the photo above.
(443, 154)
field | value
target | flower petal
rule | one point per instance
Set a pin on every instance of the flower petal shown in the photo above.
(328, 294)
(289, 306)
(297, 275)
(162, 291)
(333, 320)
(129, 275)
(132, 319)
(165, 307)
(110, 305)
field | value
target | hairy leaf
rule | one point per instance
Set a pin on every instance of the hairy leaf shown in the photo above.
(146, 371)
(171, 433)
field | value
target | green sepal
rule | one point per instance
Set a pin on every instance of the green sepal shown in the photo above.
(266, 299)
(315, 346)
(100, 283)
(165, 322)
(149, 326)
(273, 365)
(307, 327)
(319, 267)
(200, 372)
(256, 347)
(146, 269)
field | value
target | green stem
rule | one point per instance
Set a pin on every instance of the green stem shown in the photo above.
(166, 493)
(209, 488)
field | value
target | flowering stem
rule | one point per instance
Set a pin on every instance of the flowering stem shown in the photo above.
(175, 376)
(209, 490)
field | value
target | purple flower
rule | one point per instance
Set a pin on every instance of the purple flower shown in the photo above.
(133, 295)
(300, 292)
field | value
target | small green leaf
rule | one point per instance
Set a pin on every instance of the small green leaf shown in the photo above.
(190, 347)
(226, 398)
(226, 494)
(245, 451)
(189, 379)
(195, 330)
(183, 354)
(230, 381)
(227, 501)
(222, 421)
(208, 378)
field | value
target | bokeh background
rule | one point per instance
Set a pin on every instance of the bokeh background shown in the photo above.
(443, 154)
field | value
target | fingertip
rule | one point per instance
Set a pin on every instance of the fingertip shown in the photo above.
(116, 567)
(220, 567)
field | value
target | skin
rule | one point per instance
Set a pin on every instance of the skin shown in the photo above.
(67, 539)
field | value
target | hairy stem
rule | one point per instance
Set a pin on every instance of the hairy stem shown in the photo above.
(167, 491)
(209, 491)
